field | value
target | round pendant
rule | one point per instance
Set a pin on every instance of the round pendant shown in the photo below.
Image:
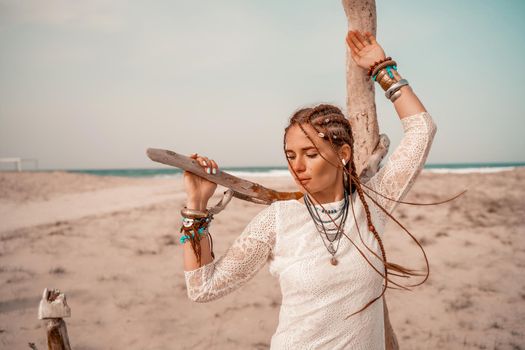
(333, 261)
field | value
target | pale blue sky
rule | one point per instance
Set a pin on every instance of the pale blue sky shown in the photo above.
(92, 84)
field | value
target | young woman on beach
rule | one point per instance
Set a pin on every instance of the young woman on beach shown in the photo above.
(331, 286)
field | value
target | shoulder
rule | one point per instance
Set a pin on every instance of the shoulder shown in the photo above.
(282, 206)
(272, 216)
(265, 220)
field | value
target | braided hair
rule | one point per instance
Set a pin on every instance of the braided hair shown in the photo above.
(330, 123)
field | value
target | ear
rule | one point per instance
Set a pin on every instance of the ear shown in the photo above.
(345, 152)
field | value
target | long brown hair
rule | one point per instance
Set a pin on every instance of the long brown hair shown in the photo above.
(331, 125)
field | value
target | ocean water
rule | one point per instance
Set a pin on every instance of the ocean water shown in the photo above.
(460, 168)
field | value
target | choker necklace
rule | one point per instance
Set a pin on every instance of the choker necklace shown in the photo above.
(333, 232)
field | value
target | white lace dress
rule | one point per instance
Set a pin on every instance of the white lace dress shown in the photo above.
(317, 296)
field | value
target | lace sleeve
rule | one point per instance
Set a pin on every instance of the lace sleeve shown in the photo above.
(247, 255)
(397, 176)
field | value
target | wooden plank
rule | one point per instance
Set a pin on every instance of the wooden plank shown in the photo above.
(242, 189)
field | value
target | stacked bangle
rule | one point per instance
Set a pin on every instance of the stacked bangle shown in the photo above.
(193, 213)
(385, 74)
(384, 64)
(194, 227)
(395, 88)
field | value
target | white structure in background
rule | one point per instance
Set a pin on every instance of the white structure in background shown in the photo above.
(18, 162)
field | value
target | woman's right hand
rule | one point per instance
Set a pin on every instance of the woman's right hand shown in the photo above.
(198, 189)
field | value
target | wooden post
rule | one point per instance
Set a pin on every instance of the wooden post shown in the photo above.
(369, 147)
(53, 308)
(17, 161)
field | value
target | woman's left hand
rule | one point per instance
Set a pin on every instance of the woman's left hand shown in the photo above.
(365, 49)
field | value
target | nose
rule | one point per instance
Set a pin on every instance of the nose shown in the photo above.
(299, 165)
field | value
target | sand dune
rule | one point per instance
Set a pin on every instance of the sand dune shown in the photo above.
(112, 245)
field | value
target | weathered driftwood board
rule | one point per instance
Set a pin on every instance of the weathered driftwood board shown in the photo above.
(242, 189)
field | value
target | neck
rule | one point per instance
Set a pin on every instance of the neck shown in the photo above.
(323, 198)
(333, 194)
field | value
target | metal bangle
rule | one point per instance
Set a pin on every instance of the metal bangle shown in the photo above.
(386, 82)
(396, 90)
(380, 75)
(395, 87)
(193, 213)
(395, 96)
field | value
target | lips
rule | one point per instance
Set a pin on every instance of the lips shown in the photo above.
(303, 181)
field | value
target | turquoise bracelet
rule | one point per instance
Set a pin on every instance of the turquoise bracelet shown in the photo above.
(388, 70)
(184, 238)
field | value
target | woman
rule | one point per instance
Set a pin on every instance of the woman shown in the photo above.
(324, 279)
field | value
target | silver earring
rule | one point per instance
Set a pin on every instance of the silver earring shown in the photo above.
(344, 161)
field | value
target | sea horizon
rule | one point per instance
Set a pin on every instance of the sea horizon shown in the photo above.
(278, 171)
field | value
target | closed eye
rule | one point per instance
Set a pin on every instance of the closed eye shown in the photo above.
(308, 155)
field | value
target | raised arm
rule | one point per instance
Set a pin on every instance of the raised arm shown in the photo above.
(239, 264)
(366, 51)
(403, 166)
(397, 176)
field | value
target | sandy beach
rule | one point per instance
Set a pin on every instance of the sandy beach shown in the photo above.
(111, 244)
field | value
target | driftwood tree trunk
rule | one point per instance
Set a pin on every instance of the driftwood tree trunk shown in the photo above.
(369, 146)
(361, 15)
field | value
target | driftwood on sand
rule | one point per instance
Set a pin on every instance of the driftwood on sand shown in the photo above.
(53, 308)
(369, 147)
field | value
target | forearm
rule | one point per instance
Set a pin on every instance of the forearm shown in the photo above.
(408, 103)
(189, 257)
(247, 255)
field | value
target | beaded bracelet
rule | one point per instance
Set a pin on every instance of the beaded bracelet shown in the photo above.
(372, 67)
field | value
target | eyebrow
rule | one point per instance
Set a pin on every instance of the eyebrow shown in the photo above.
(302, 149)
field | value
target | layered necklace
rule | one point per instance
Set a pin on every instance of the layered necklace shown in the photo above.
(331, 229)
